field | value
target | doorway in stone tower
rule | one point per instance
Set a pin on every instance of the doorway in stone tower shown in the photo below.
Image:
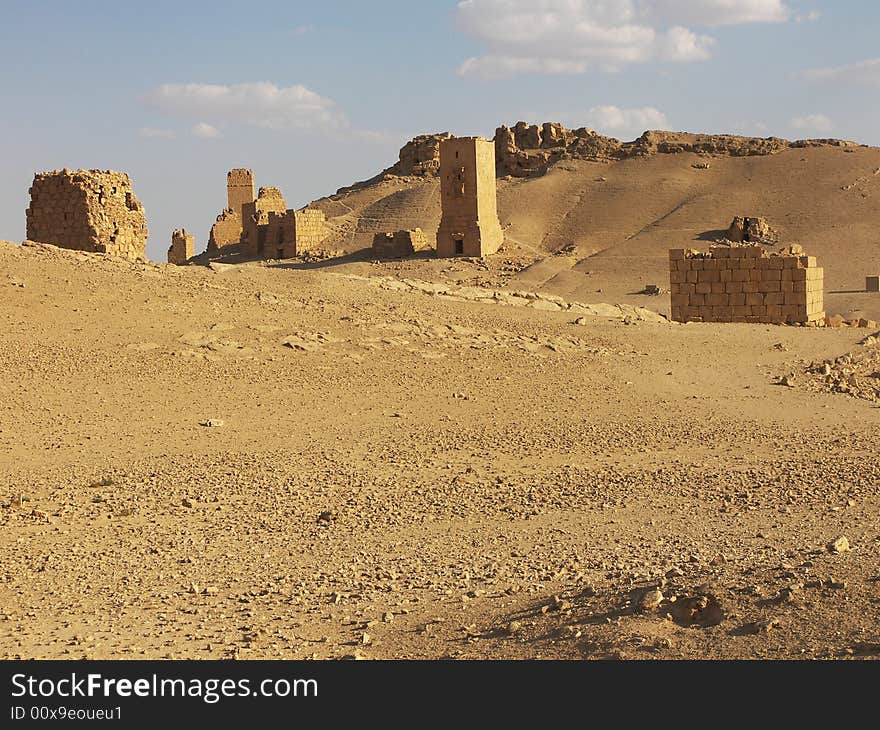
(459, 246)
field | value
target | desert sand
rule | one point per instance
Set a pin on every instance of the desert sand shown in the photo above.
(338, 457)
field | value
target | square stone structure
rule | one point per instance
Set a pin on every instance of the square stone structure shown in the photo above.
(469, 220)
(399, 244)
(872, 283)
(293, 232)
(87, 210)
(182, 247)
(745, 284)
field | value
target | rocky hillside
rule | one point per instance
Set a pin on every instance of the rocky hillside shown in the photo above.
(529, 150)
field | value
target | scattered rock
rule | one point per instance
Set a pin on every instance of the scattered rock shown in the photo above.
(651, 600)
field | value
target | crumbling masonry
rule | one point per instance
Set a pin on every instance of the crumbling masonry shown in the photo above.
(745, 284)
(228, 229)
(87, 210)
(182, 247)
(272, 231)
(399, 244)
(469, 221)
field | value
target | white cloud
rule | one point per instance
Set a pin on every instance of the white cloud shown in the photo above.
(206, 131)
(865, 72)
(573, 36)
(813, 123)
(626, 123)
(715, 12)
(153, 133)
(261, 104)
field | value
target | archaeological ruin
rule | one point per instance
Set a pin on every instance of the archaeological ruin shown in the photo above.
(290, 233)
(87, 210)
(469, 214)
(745, 229)
(399, 244)
(745, 284)
(182, 247)
(255, 217)
(228, 228)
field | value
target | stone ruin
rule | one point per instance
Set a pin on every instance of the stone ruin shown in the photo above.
(420, 156)
(87, 210)
(529, 150)
(262, 226)
(469, 213)
(751, 230)
(255, 215)
(292, 233)
(228, 228)
(399, 244)
(182, 247)
(745, 284)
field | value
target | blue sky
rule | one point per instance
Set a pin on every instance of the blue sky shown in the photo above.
(316, 96)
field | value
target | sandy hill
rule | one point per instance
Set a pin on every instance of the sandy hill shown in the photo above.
(594, 213)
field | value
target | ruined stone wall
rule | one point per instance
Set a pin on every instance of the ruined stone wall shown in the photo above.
(420, 156)
(310, 230)
(399, 244)
(469, 214)
(745, 284)
(87, 210)
(182, 247)
(239, 190)
(255, 221)
(226, 231)
(286, 234)
(229, 226)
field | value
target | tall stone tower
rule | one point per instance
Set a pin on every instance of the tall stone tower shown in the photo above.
(239, 189)
(469, 221)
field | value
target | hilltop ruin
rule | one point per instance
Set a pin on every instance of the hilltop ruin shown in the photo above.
(87, 210)
(530, 150)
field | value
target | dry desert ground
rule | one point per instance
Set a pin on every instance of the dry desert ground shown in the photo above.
(345, 458)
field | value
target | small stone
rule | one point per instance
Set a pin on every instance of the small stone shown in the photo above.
(514, 627)
(211, 423)
(186, 502)
(388, 617)
(651, 600)
(840, 545)
(763, 626)
(366, 639)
